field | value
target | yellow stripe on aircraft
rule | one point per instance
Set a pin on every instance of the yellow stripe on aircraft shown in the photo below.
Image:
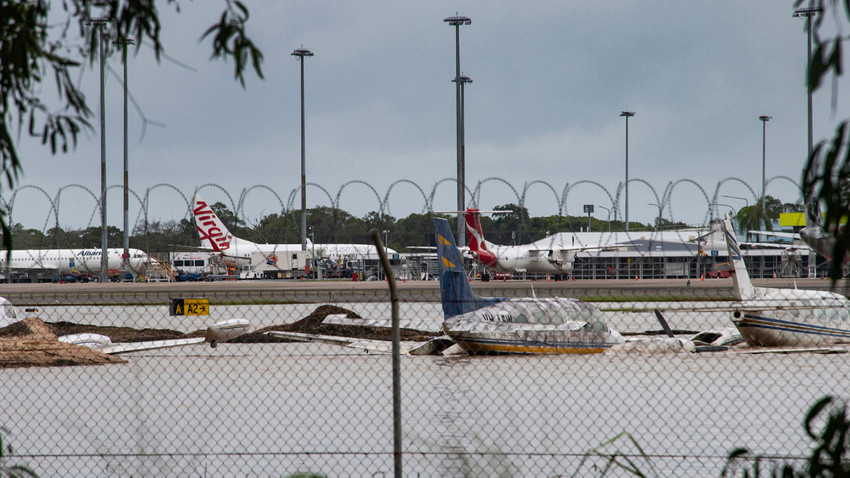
(443, 240)
(447, 263)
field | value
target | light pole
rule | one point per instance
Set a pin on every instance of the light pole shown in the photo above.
(462, 165)
(300, 54)
(98, 23)
(125, 258)
(313, 253)
(764, 119)
(737, 197)
(627, 114)
(456, 22)
(609, 216)
(808, 13)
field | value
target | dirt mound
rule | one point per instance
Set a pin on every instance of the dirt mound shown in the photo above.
(312, 324)
(31, 343)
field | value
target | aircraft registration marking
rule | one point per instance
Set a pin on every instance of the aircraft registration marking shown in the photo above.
(189, 307)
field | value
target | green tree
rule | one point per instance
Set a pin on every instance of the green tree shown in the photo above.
(413, 230)
(168, 236)
(91, 236)
(276, 229)
(37, 91)
(513, 220)
(329, 223)
(29, 238)
(381, 222)
(754, 218)
(234, 223)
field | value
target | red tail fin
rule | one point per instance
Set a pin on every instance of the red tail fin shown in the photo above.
(475, 238)
(474, 234)
(212, 231)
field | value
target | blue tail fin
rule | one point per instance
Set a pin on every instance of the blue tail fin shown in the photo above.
(455, 290)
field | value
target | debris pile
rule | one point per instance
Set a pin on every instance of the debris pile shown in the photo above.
(32, 343)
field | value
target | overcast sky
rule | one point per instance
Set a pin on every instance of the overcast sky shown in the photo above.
(549, 82)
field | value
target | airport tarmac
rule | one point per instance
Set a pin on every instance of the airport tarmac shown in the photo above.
(271, 291)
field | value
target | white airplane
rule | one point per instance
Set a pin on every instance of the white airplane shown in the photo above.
(513, 326)
(543, 256)
(216, 333)
(65, 261)
(814, 234)
(784, 317)
(216, 237)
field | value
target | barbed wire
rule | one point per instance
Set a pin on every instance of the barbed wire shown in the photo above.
(663, 200)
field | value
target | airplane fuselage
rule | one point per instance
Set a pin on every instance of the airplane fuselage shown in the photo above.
(820, 241)
(524, 259)
(65, 261)
(215, 237)
(790, 317)
(533, 326)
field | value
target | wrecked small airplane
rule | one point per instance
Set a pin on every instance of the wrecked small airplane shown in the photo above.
(784, 317)
(513, 326)
(216, 333)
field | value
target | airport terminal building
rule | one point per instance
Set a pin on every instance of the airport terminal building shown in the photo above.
(687, 254)
(690, 253)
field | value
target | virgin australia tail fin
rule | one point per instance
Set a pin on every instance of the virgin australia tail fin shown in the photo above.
(455, 291)
(214, 234)
(743, 287)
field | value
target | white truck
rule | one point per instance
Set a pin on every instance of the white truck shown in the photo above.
(282, 265)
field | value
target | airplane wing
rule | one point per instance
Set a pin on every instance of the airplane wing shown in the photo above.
(218, 332)
(775, 245)
(379, 346)
(104, 344)
(787, 235)
(151, 345)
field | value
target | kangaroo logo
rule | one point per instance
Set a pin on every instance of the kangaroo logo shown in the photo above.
(473, 231)
(475, 236)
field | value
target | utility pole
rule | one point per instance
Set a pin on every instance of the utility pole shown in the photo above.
(125, 258)
(456, 22)
(98, 24)
(808, 13)
(627, 115)
(301, 53)
(764, 119)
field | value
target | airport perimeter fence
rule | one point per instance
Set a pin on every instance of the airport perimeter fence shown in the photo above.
(266, 406)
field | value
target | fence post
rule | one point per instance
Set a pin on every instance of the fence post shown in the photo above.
(396, 336)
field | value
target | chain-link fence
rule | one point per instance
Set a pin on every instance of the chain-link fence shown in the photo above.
(317, 397)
